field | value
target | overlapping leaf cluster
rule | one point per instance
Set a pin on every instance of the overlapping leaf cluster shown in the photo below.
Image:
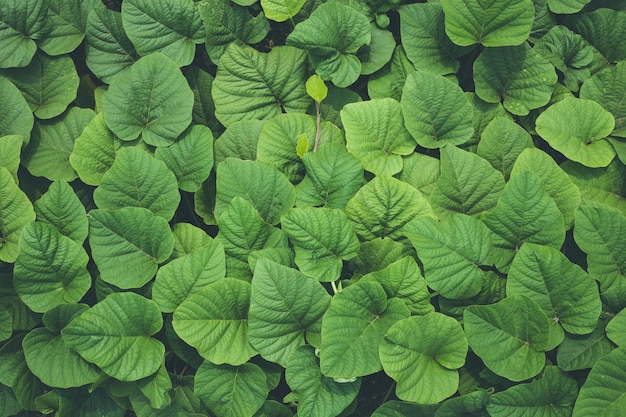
(246, 209)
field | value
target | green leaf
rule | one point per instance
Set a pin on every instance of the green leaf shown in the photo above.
(383, 206)
(281, 10)
(316, 88)
(402, 409)
(435, 110)
(421, 171)
(253, 85)
(353, 328)
(332, 177)
(494, 23)
(66, 20)
(15, 373)
(172, 27)
(599, 233)
(603, 393)
(187, 275)
(214, 321)
(272, 408)
(601, 187)
(269, 191)
(492, 291)
(582, 351)
(467, 404)
(332, 35)
(509, 336)
(49, 85)
(115, 335)
(378, 52)
(316, 394)
(424, 367)
(239, 141)
(16, 211)
(517, 75)
(61, 208)
(525, 213)
(567, 6)
(375, 134)
(377, 254)
(151, 99)
(322, 238)
(8, 403)
(156, 388)
(284, 304)
(565, 292)
(128, 244)
(483, 114)
(21, 24)
(136, 179)
(10, 150)
(231, 391)
(15, 114)
(389, 81)
(451, 252)
(615, 329)
(602, 28)
(608, 88)
(6, 324)
(579, 138)
(552, 396)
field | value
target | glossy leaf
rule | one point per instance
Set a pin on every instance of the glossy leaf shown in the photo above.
(61, 208)
(16, 211)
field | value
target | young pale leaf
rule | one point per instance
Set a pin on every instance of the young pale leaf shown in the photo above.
(602, 28)
(581, 352)
(50, 269)
(451, 252)
(16, 211)
(551, 396)
(281, 10)
(353, 328)
(316, 88)
(214, 321)
(599, 233)
(231, 391)
(128, 244)
(136, 179)
(172, 27)
(151, 99)
(21, 24)
(493, 23)
(115, 335)
(15, 114)
(253, 85)
(436, 112)
(375, 134)
(608, 88)
(424, 367)
(576, 127)
(501, 142)
(61, 208)
(284, 303)
(66, 26)
(332, 35)
(604, 391)
(317, 395)
(509, 336)
(615, 329)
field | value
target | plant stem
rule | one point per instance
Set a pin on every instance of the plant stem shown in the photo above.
(335, 290)
(389, 391)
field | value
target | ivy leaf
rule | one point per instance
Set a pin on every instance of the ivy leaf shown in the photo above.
(501, 142)
(424, 368)
(115, 335)
(608, 88)
(281, 10)
(495, 23)
(66, 20)
(16, 211)
(332, 35)
(20, 25)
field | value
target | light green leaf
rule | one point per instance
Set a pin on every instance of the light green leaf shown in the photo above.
(151, 99)
(115, 335)
(128, 244)
(602, 28)
(436, 111)
(582, 351)
(172, 27)
(483, 114)
(576, 127)
(509, 336)
(451, 252)
(599, 233)
(389, 81)
(424, 367)
(551, 396)
(375, 134)
(231, 391)
(254, 85)
(316, 394)
(156, 388)
(567, 6)
(16, 211)
(615, 329)
(10, 150)
(517, 75)
(49, 85)
(188, 275)
(214, 321)
(269, 191)
(284, 303)
(525, 213)
(494, 23)
(281, 10)
(383, 206)
(188, 238)
(61, 208)
(608, 88)
(21, 23)
(239, 141)
(604, 392)
(136, 179)
(316, 88)
(353, 328)
(332, 35)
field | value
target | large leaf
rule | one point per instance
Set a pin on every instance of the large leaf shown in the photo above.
(151, 99)
(115, 334)
(283, 304)
(16, 211)
(66, 26)
(424, 367)
(602, 187)
(128, 244)
(332, 35)
(436, 112)
(21, 23)
(493, 23)
(61, 208)
(15, 114)
(608, 88)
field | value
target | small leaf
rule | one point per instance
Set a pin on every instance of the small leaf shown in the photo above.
(281, 10)
(302, 145)
(389, 81)
(608, 88)
(567, 6)
(61, 208)
(316, 88)
(16, 211)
